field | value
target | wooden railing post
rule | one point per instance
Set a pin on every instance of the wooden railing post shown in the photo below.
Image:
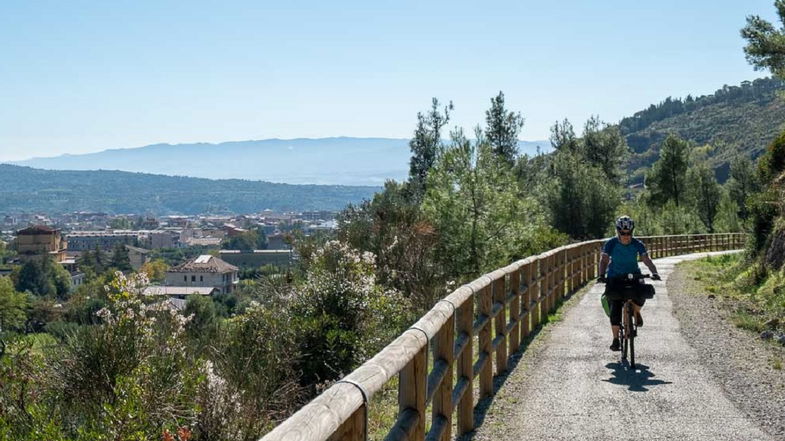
(587, 264)
(549, 282)
(558, 278)
(411, 390)
(570, 273)
(354, 429)
(538, 275)
(526, 300)
(515, 311)
(444, 349)
(575, 268)
(563, 275)
(486, 343)
(500, 323)
(465, 367)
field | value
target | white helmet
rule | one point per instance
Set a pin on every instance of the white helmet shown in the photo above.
(625, 223)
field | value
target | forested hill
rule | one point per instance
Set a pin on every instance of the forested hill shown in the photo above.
(24, 189)
(735, 119)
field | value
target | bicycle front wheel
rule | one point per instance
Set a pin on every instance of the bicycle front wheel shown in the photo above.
(632, 341)
(623, 334)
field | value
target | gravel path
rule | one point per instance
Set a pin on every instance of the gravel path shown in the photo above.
(737, 359)
(569, 386)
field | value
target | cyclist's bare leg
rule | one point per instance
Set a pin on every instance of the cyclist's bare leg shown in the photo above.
(615, 330)
(637, 310)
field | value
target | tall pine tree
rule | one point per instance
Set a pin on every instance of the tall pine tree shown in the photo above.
(425, 145)
(667, 180)
(502, 129)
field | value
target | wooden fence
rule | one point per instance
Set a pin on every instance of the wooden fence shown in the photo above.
(494, 313)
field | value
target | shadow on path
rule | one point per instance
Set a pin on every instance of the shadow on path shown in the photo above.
(636, 380)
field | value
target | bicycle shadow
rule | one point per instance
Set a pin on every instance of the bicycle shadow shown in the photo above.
(636, 380)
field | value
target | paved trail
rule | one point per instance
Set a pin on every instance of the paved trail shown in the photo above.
(574, 389)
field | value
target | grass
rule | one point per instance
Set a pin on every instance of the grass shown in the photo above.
(776, 363)
(756, 297)
(383, 410)
(745, 320)
(37, 344)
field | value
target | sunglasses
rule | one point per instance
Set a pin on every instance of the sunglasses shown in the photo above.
(625, 233)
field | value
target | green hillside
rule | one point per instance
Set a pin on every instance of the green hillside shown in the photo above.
(735, 119)
(24, 189)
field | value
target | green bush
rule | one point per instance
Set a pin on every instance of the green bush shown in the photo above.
(772, 163)
(342, 315)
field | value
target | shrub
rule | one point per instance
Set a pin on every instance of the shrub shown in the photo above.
(342, 315)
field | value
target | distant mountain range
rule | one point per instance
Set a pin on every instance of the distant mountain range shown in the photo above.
(734, 120)
(331, 161)
(28, 190)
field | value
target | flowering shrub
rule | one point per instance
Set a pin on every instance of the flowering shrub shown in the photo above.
(129, 377)
(343, 315)
(138, 370)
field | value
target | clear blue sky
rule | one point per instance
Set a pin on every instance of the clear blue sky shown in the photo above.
(79, 76)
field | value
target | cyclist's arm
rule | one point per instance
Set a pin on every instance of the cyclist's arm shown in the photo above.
(649, 264)
(604, 260)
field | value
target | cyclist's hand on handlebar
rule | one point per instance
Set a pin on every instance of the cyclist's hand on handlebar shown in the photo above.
(602, 279)
(656, 276)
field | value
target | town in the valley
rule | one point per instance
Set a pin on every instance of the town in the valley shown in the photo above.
(202, 255)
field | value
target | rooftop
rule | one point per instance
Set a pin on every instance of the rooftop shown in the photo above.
(204, 264)
(137, 249)
(178, 290)
(256, 251)
(36, 229)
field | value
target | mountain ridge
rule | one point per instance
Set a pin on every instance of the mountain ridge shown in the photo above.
(328, 161)
(732, 121)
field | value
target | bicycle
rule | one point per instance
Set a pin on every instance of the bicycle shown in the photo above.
(629, 288)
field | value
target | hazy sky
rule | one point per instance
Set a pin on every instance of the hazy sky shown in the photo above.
(79, 76)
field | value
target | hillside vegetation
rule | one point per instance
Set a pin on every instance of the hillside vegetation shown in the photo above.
(733, 120)
(24, 189)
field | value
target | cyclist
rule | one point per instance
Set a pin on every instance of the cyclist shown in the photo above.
(620, 257)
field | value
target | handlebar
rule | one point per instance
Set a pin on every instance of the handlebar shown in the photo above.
(626, 278)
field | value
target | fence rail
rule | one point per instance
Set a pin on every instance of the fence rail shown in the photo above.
(495, 312)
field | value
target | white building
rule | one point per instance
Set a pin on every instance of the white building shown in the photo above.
(204, 271)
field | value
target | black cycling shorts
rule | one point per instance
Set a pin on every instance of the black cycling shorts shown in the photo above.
(618, 293)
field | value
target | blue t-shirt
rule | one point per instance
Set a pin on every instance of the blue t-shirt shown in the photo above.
(624, 258)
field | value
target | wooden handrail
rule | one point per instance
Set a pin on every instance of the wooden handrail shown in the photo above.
(529, 289)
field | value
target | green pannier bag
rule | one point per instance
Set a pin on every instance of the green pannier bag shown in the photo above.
(605, 305)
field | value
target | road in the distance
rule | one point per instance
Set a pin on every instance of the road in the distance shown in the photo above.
(574, 389)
